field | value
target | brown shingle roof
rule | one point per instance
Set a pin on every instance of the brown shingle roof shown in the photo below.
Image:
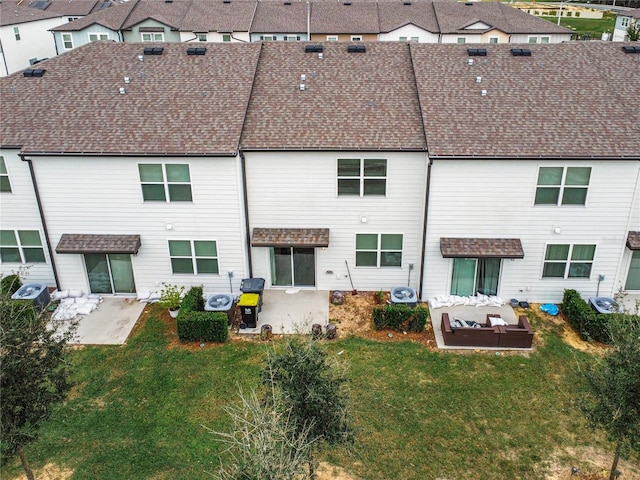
(85, 243)
(175, 104)
(633, 240)
(290, 237)
(351, 100)
(276, 17)
(217, 16)
(481, 247)
(395, 14)
(74, 7)
(112, 18)
(566, 100)
(344, 17)
(12, 14)
(170, 14)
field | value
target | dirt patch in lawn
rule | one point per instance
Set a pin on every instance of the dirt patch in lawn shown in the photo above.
(592, 464)
(49, 472)
(327, 471)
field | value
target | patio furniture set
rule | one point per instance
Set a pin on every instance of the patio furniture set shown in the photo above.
(494, 333)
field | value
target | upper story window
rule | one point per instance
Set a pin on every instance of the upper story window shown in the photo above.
(165, 182)
(462, 40)
(568, 261)
(332, 38)
(413, 39)
(292, 38)
(16, 33)
(533, 39)
(226, 37)
(268, 38)
(5, 184)
(67, 41)
(202, 37)
(378, 250)
(494, 40)
(356, 38)
(153, 37)
(562, 186)
(362, 176)
(21, 246)
(194, 256)
(94, 37)
(625, 22)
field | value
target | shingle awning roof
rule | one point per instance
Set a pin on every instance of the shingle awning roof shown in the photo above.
(290, 237)
(83, 243)
(633, 241)
(481, 247)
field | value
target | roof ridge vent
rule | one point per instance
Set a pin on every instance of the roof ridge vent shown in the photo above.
(347, 3)
(287, 3)
(406, 3)
(630, 49)
(477, 52)
(34, 72)
(196, 50)
(520, 52)
(313, 48)
(356, 49)
(153, 50)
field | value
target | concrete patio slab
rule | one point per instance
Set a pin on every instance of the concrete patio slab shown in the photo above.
(110, 324)
(292, 311)
(469, 312)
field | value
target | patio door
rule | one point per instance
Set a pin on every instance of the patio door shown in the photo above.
(110, 273)
(633, 277)
(293, 267)
(472, 275)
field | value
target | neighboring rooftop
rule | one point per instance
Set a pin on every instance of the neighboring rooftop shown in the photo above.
(112, 18)
(280, 17)
(12, 14)
(174, 104)
(565, 100)
(344, 17)
(394, 14)
(350, 100)
(72, 7)
(218, 16)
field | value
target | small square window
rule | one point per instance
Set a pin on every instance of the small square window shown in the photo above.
(21, 246)
(202, 37)
(378, 250)
(16, 33)
(161, 182)
(462, 40)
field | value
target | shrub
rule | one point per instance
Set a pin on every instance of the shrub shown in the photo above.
(171, 296)
(10, 284)
(400, 317)
(196, 325)
(589, 325)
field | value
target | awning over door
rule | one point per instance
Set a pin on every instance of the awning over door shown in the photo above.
(633, 240)
(83, 243)
(481, 247)
(290, 237)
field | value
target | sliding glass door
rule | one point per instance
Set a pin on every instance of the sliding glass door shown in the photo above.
(110, 273)
(293, 267)
(473, 275)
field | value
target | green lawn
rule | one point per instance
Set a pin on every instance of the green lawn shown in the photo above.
(596, 27)
(139, 411)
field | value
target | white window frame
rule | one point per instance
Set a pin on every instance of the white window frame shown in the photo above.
(269, 38)
(545, 39)
(292, 38)
(568, 261)
(332, 38)
(625, 22)
(461, 40)
(562, 186)
(361, 177)
(193, 257)
(165, 183)
(154, 37)
(403, 39)
(71, 19)
(16, 33)
(21, 248)
(99, 36)
(226, 37)
(202, 37)
(532, 40)
(67, 39)
(415, 39)
(378, 250)
(491, 39)
(4, 173)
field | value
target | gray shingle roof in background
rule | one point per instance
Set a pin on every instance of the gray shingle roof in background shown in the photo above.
(344, 17)
(217, 16)
(112, 18)
(276, 17)
(175, 104)
(351, 100)
(565, 100)
(12, 14)
(396, 14)
(74, 7)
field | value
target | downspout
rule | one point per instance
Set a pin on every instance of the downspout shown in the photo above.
(245, 197)
(424, 229)
(4, 58)
(55, 43)
(42, 219)
(308, 20)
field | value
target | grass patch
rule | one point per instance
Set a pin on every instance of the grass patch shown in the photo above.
(594, 26)
(138, 411)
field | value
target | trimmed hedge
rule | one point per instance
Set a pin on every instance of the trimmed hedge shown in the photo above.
(10, 284)
(400, 317)
(196, 325)
(589, 325)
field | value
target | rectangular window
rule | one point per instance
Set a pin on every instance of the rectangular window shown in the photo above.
(625, 22)
(21, 246)
(544, 39)
(378, 250)
(462, 40)
(67, 41)
(415, 39)
(16, 33)
(562, 186)
(568, 261)
(633, 277)
(94, 37)
(292, 38)
(5, 184)
(268, 38)
(165, 182)
(194, 256)
(152, 37)
(71, 19)
(493, 39)
(362, 176)
(402, 39)
(202, 37)
(226, 37)
(356, 38)
(533, 39)
(332, 38)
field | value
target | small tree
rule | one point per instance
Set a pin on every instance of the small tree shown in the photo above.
(611, 400)
(264, 444)
(313, 385)
(633, 32)
(33, 375)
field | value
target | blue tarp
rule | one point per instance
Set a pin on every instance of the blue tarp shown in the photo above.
(549, 308)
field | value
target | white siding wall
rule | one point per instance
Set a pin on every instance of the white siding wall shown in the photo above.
(214, 37)
(494, 199)
(553, 37)
(19, 211)
(469, 38)
(299, 190)
(409, 31)
(103, 196)
(35, 42)
(634, 226)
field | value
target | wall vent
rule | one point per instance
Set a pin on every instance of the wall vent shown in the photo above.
(520, 52)
(630, 49)
(196, 50)
(313, 48)
(356, 49)
(477, 52)
(153, 50)
(34, 72)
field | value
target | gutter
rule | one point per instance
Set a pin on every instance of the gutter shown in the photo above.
(42, 218)
(245, 199)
